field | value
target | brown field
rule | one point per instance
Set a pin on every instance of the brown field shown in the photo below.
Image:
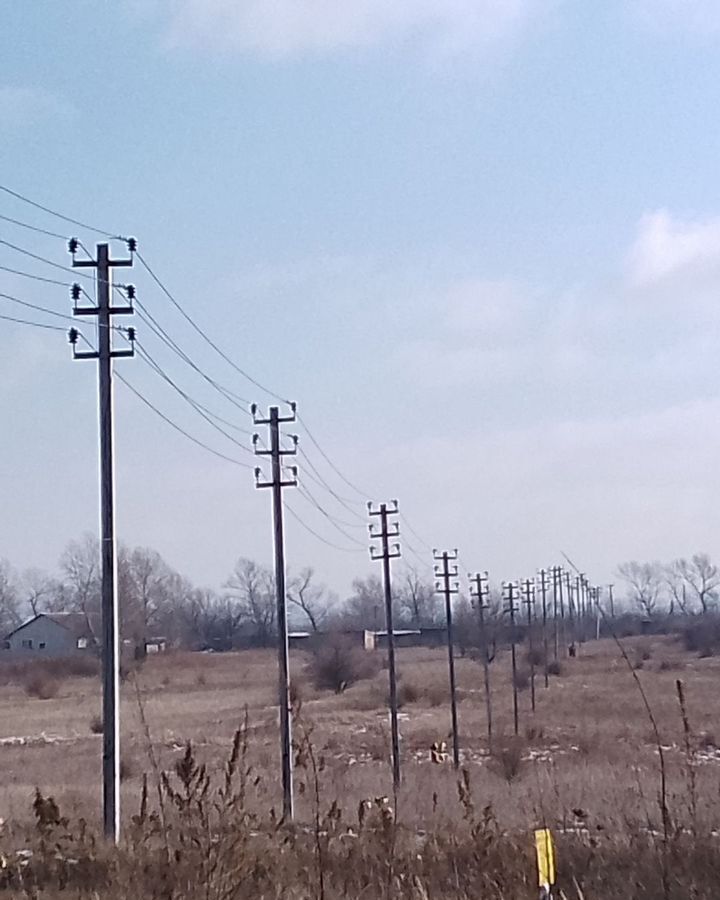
(587, 764)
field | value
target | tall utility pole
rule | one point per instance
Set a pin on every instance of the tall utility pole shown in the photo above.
(104, 311)
(510, 595)
(277, 483)
(528, 588)
(611, 601)
(571, 613)
(481, 592)
(386, 554)
(445, 574)
(556, 635)
(543, 595)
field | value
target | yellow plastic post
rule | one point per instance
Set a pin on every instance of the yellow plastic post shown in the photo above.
(545, 848)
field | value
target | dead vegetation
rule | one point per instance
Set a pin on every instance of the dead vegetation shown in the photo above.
(587, 766)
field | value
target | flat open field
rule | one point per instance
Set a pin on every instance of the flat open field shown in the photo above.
(589, 755)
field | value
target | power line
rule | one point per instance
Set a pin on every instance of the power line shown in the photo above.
(147, 358)
(204, 336)
(27, 225)
(58, 215)
(35, 277)
(44, 259)
(327, 459)
(34, 324)
(334, 522)
(177, 427)
(318, 536)
(44, 309)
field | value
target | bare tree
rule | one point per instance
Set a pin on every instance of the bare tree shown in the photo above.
(313, 599)
(38, 590)
(418, 601)
(250, 590)
(702, 577)
(675, 585)
(366, 607)
(146, 586)
(80, 564)
(9, 601)
(645, 582)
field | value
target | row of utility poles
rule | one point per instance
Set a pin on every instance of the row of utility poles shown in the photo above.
(581, 597)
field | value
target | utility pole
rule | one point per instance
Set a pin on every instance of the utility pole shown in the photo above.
(543, 595)
(386, 554)
(277, 483)
(510, 594)
(556, 635)
(444, 574)
(611, 600)
(596, 601)
(571, 613)
(528, 587)
(104, 311)
(481, 592)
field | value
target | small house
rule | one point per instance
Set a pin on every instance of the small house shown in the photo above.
(50, 635)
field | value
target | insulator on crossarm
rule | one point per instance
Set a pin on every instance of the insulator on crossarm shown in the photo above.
(130, 291)
(131, 334)
(73, 244)
(75, 291)
(131, 244)
(73, 336)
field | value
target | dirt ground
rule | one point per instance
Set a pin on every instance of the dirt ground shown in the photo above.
(587, 757)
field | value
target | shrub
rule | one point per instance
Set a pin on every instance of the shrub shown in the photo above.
(555, 668)
(535, 657)
(41, 686)
(522, 679)
(507, 757)
(702, 636)
(338, 663)
(407, 692)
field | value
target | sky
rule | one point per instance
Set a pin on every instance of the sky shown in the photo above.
(477, 242)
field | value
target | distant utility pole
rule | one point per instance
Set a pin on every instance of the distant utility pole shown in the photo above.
(611, 600)
(571, 613)
(510, 595)
(277, 483)
(556, 632)
(596, 601)
(481, 592)
(104, 311)
(528, 587)
(445, 574)
(543, 595)
(384, 534)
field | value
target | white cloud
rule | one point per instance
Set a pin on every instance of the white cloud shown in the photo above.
(666, 247)
(27, 105)
(279, 28)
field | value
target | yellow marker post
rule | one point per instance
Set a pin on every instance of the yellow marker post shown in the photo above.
(545, 848)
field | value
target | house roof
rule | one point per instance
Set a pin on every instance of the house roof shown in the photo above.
(75, 623)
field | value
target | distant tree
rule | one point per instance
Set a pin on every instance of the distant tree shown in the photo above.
(702, 577)
(644, 581)
(420, 605)
(250, 597)
(9, 601)
(676, 588)
(80, 565)
(314, 600)
(147, 591)
(38, 590)
(365, 608)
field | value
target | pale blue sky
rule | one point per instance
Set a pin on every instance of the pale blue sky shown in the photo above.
(478, 241)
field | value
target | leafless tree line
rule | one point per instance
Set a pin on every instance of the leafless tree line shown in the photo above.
(155, 600)
(681, 587)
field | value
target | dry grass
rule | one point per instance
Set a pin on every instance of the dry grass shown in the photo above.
(588, 749)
